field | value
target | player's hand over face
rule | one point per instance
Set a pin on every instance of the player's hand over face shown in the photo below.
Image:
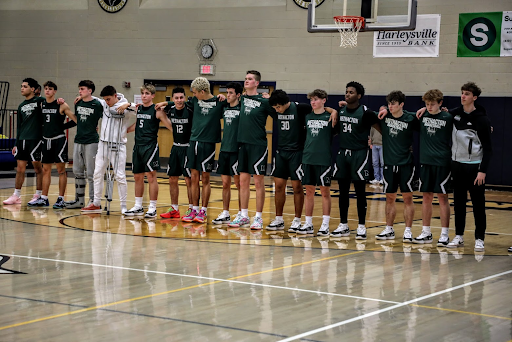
(342, 103)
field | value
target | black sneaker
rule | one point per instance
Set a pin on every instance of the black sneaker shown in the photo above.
(423, 238)
(276, 225)
(41, 202)
(76, 204)
(135, 211)
(60, 204)
(386, 234)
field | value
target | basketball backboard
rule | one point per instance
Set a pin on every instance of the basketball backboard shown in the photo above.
(383, 15)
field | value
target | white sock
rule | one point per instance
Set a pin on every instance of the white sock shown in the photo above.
(391, 227)
(196, 208)
(204, 209)
(190, 206)
(444, 231)
(279, 218)
(39, 192)
(44, 197)
(258, 214)
(225, 212)
(426, 229)
(152, 204)
(239, 213)
(245, 212)
(297, 218)
(17, 192)
(407, 229)
(326, 219)
(309, 220)
(138, 202)
(175, 206)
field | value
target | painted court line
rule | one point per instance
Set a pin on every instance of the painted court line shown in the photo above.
(230, 280)
(396, 306)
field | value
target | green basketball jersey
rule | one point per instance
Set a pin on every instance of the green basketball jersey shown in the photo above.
(88, 114)
(231, 122)
(206, 124)
(319, 132)
(30, 119)
(355, 126)
(53, 124)
(253, 118)
(181, 120)
(291, 129)
(146, 126)
(435, 138)
(397, 138)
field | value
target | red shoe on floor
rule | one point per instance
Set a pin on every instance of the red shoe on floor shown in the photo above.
(171, 213)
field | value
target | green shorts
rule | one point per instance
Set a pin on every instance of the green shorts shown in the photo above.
(398, 175)
(28, 150)
(252, 159)
(145, 158)
(352, 164)
(55, 150)
(435, 179)
(317, 175)
(201, 156)
(178, 162)
(227, 164)
(288, 164)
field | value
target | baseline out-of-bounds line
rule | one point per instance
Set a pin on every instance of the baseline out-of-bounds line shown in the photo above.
(229, 280)
(392, 307)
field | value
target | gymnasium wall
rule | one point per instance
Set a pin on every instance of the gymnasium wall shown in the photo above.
(70, 40)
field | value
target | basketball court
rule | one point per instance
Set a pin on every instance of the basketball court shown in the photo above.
(102, 277)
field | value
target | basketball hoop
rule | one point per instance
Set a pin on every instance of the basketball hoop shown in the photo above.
(349, 27)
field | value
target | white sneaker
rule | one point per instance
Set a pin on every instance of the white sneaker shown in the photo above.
(307, 228)
(443, 240)
(458, 241)
(361, 233)
(374, 181)
(123, 210)
(296, 225)
(151, 213)
(479, 245)
(324, 230)
(407, 237)
(342, 230)
(276, 225)
(257, 223)
(387, 234)
(424, 237)
(222, 219)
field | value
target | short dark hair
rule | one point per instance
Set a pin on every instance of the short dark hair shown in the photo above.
(87, 83)
(256, 74)
(395, 96)
(357, 86)
(321, 94)
(235, 85)
(31, 82)
(108, 91)
(472, 87)
(50, 84)
(278, 97)
(177, 90)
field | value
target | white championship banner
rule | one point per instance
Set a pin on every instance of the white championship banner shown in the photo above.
(421, 42)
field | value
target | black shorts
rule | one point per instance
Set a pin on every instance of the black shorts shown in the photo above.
(252, 159)
(177, 162)
(227, 164)
(352, 164)
(317, 175)
(398, 175)
(146, 158)
(435, 179)
(55, 150)
(288, 164)
(28, 150)
(201, 156)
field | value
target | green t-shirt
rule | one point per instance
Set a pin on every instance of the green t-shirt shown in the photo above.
(88, 114)
(231, 121)
(181, 121)
(435, 138)
(146, 126)
(355, 125)
(291, 129)
(206, 123)
(397, 138)
(53, 124)
(319, 132)
(253, 118)
(30, 119)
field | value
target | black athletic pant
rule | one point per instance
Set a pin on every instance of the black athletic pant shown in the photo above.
(360, 188)
(464, 176)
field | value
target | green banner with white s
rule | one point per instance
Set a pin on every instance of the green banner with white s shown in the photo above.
(485, 34)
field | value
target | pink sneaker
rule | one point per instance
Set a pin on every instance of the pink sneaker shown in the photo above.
(190, 217)
(200, 217)
(33, 201)
(12, 200)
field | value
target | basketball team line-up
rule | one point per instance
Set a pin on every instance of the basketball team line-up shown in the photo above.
(454, 153)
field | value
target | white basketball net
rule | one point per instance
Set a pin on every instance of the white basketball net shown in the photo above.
(348, 28)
